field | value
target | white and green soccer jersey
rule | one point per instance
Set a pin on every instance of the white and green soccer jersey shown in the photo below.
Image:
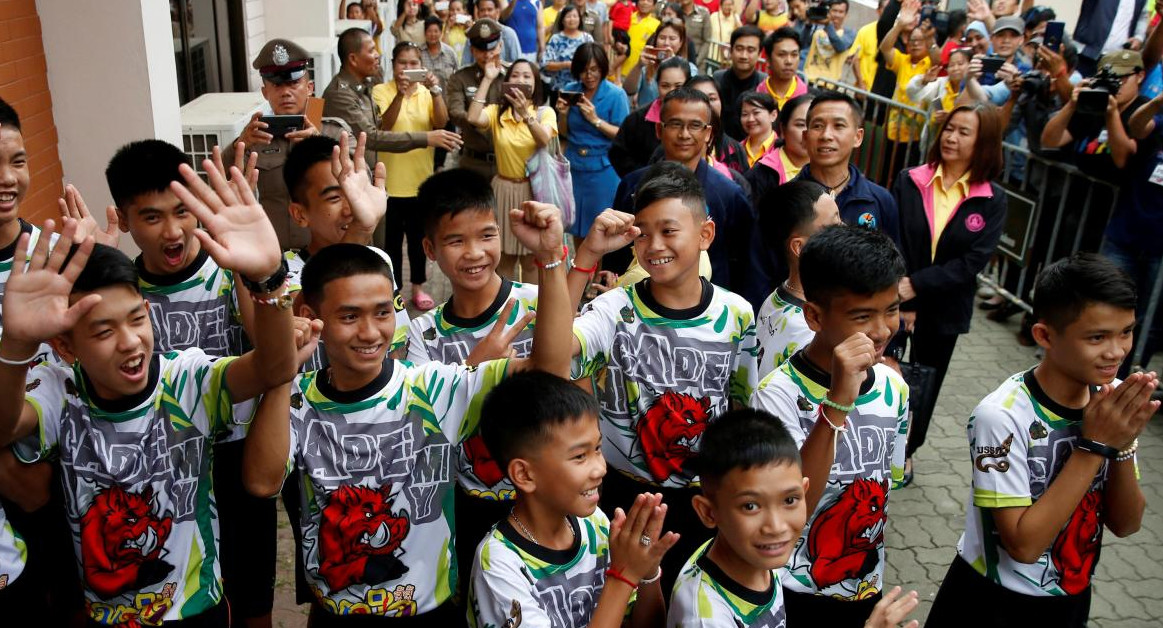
(555, 588)
(296, 260)
(1019, 440)
(706, 597)
(841, 551)
(7, 254)
(661, 375)
(195, 307)
(138, 488)
(13, 552)
(441, 336)
(376, 478)
(780, 330)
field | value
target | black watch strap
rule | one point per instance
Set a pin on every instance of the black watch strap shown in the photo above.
(270, 284)
(1097, 448)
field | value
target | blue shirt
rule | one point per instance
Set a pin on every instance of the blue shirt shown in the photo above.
(611, 105)
(734, 219)
(524, 20)
(864, 203)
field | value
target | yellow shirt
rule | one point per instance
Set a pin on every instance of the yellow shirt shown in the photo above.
(945, 201)
(406, 171)
(905, 126)
(764, 148)
(769, 22)
(548, 17)
(640, 31)
(513, 141)
(866, 47)
(823, 61)
(790, 169)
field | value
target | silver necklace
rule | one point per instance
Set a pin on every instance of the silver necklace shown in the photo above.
(526, 532)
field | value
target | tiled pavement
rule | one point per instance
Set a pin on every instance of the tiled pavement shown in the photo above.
(927, 517)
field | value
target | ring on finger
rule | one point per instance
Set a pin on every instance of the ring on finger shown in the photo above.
(644, 540)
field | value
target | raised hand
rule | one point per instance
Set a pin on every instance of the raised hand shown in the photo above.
(890, 611)
(499, 341)
(238, 234)
(851, 360)
(36, 298)
(610, 231)
(73, 207)
(1114, 416)
(637, 543)
(908, 13)
(249, 166)
(538, 227)
(365, 195)
(307, 332)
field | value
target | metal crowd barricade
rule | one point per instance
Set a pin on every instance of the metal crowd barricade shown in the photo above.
(896, 135)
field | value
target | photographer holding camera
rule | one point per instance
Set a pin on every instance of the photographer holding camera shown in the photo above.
(831, 43)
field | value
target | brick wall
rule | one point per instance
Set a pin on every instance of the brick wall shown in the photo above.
(24, 85)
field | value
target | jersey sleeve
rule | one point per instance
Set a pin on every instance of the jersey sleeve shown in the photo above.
(745, 378)
(594, 330)
(449, 396)
(900, 445)
(196, 383)
(417, 348)
(689, 606)
(45, 390)
(774, 397)
(998, 449)
(294, 271)
(498, 580)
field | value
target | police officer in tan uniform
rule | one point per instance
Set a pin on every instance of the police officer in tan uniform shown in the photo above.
(286, 85)
(349, 97)
(484, 39)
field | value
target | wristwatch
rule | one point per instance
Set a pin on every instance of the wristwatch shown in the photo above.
(268, 285)
(436, 90)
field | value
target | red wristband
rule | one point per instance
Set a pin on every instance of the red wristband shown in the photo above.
(564, 254)
(589, 271)
(617, 575)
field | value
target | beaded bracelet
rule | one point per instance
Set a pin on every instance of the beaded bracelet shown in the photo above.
(842, 408)
(1128, 453)
(552, 265)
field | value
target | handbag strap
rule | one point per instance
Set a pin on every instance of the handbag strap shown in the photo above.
(554, 146)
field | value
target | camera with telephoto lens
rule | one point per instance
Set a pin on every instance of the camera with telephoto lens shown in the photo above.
(818, 10)
(1035, 83)
(1094, 98)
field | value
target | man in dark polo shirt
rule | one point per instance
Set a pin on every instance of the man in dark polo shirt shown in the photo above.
(485, 43)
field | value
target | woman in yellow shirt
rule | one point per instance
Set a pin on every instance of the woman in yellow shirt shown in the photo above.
(454, 27)
(723, 23)
(408, 106)
(519, 127)
(757, 114)
(773, 14)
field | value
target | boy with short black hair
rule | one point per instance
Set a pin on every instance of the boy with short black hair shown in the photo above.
(322, 206)
(1053, 453)
(848, 413)
(670, 353)
(193, 302)
(780, 327)
(134, 431)
(753, 495)
(373, 440)
(486, 317)
(544, 432)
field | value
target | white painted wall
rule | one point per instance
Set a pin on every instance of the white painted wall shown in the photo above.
(113, 80)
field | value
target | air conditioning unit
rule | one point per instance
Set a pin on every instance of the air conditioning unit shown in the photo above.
(324, 53)
(215, 120)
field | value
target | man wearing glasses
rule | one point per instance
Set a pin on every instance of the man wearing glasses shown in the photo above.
(685, 132)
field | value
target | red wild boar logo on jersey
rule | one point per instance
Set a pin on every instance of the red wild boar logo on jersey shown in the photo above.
(121, 542)
(484, 466)
(844, 538)
(1075, 550)
(669, 431)
(359, 536)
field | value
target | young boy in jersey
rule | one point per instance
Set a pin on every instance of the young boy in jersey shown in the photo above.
(486, 317)
(194, 302)
(669, 354)
(373, 441)
(1053, 453)
(780, 326)
(753, 492)
(322, 206)
(133, 432)
(848, 414)
(544, 431)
